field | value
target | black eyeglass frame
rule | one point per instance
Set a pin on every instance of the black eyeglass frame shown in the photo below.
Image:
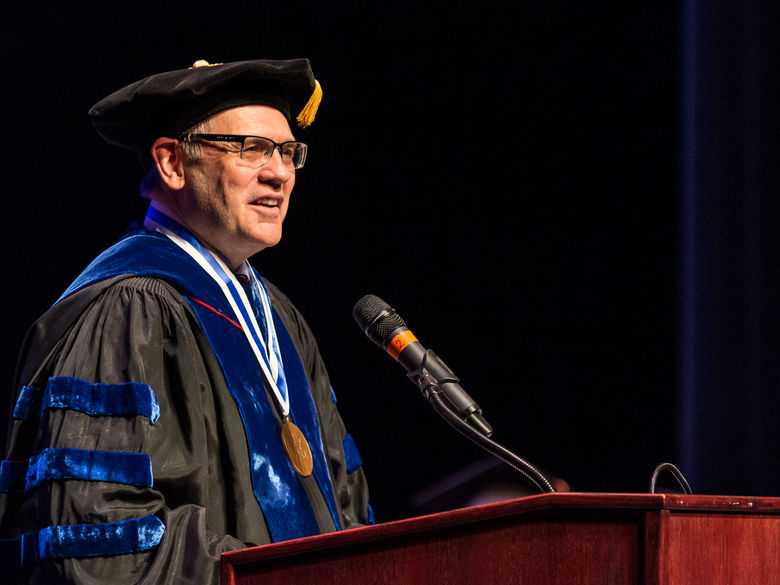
(241, 138)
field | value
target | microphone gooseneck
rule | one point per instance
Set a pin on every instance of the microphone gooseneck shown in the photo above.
(385, 327)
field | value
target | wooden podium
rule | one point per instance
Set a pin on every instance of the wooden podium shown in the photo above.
(549, 539)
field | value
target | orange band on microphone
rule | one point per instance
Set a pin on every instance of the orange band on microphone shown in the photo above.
(399, 342)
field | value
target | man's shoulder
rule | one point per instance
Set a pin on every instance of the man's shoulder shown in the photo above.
(105, 300)
(140, 251)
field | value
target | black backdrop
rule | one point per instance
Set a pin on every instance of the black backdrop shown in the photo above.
(507, 177)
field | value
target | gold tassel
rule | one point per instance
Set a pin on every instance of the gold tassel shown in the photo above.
(306, 117)
(203, 63)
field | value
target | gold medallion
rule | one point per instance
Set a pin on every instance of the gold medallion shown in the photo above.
(297, 448)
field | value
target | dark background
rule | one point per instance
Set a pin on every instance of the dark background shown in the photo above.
(572, 205)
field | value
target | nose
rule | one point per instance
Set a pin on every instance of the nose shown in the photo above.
(274, 169)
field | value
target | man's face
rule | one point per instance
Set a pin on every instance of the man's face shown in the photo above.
(233, 208)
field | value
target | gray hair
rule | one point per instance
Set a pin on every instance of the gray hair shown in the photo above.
(193, 150)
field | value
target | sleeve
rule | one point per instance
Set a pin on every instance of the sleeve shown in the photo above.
(346, 465)
(108, 465)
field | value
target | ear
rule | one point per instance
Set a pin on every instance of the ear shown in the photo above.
(169, 162)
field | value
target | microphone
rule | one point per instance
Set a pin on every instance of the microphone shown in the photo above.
(385, 327)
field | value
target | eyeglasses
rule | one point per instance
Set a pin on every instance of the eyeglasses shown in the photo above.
(256, 150)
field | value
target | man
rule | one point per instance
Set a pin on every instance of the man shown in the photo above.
(172, 405)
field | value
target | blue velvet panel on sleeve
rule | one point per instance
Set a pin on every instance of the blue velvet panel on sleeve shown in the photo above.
(27, 403)
(83, 464)
(82, 540)
(92, 540)
(128, 399)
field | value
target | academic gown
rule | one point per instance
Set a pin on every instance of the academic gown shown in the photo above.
(149, 473)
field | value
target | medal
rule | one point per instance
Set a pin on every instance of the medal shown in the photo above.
(297, 448)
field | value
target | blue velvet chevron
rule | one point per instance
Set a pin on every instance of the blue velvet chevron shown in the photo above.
(88, 465)
(79, 464)
(92, 540)
(27, 403)
(82, 540)
(131, 398)
(128, 399)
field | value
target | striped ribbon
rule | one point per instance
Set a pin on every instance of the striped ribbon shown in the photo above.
(270, 361)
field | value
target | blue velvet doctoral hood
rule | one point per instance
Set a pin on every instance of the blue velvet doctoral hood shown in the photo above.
(275, 483)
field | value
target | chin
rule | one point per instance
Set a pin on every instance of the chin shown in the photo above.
(266, 240)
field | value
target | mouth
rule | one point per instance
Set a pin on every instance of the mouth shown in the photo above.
(269, 202)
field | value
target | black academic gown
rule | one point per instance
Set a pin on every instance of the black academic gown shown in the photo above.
(140, 329)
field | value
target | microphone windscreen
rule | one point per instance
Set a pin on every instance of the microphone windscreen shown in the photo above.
(377, 319)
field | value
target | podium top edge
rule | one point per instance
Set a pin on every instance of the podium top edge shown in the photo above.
(574, 502)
